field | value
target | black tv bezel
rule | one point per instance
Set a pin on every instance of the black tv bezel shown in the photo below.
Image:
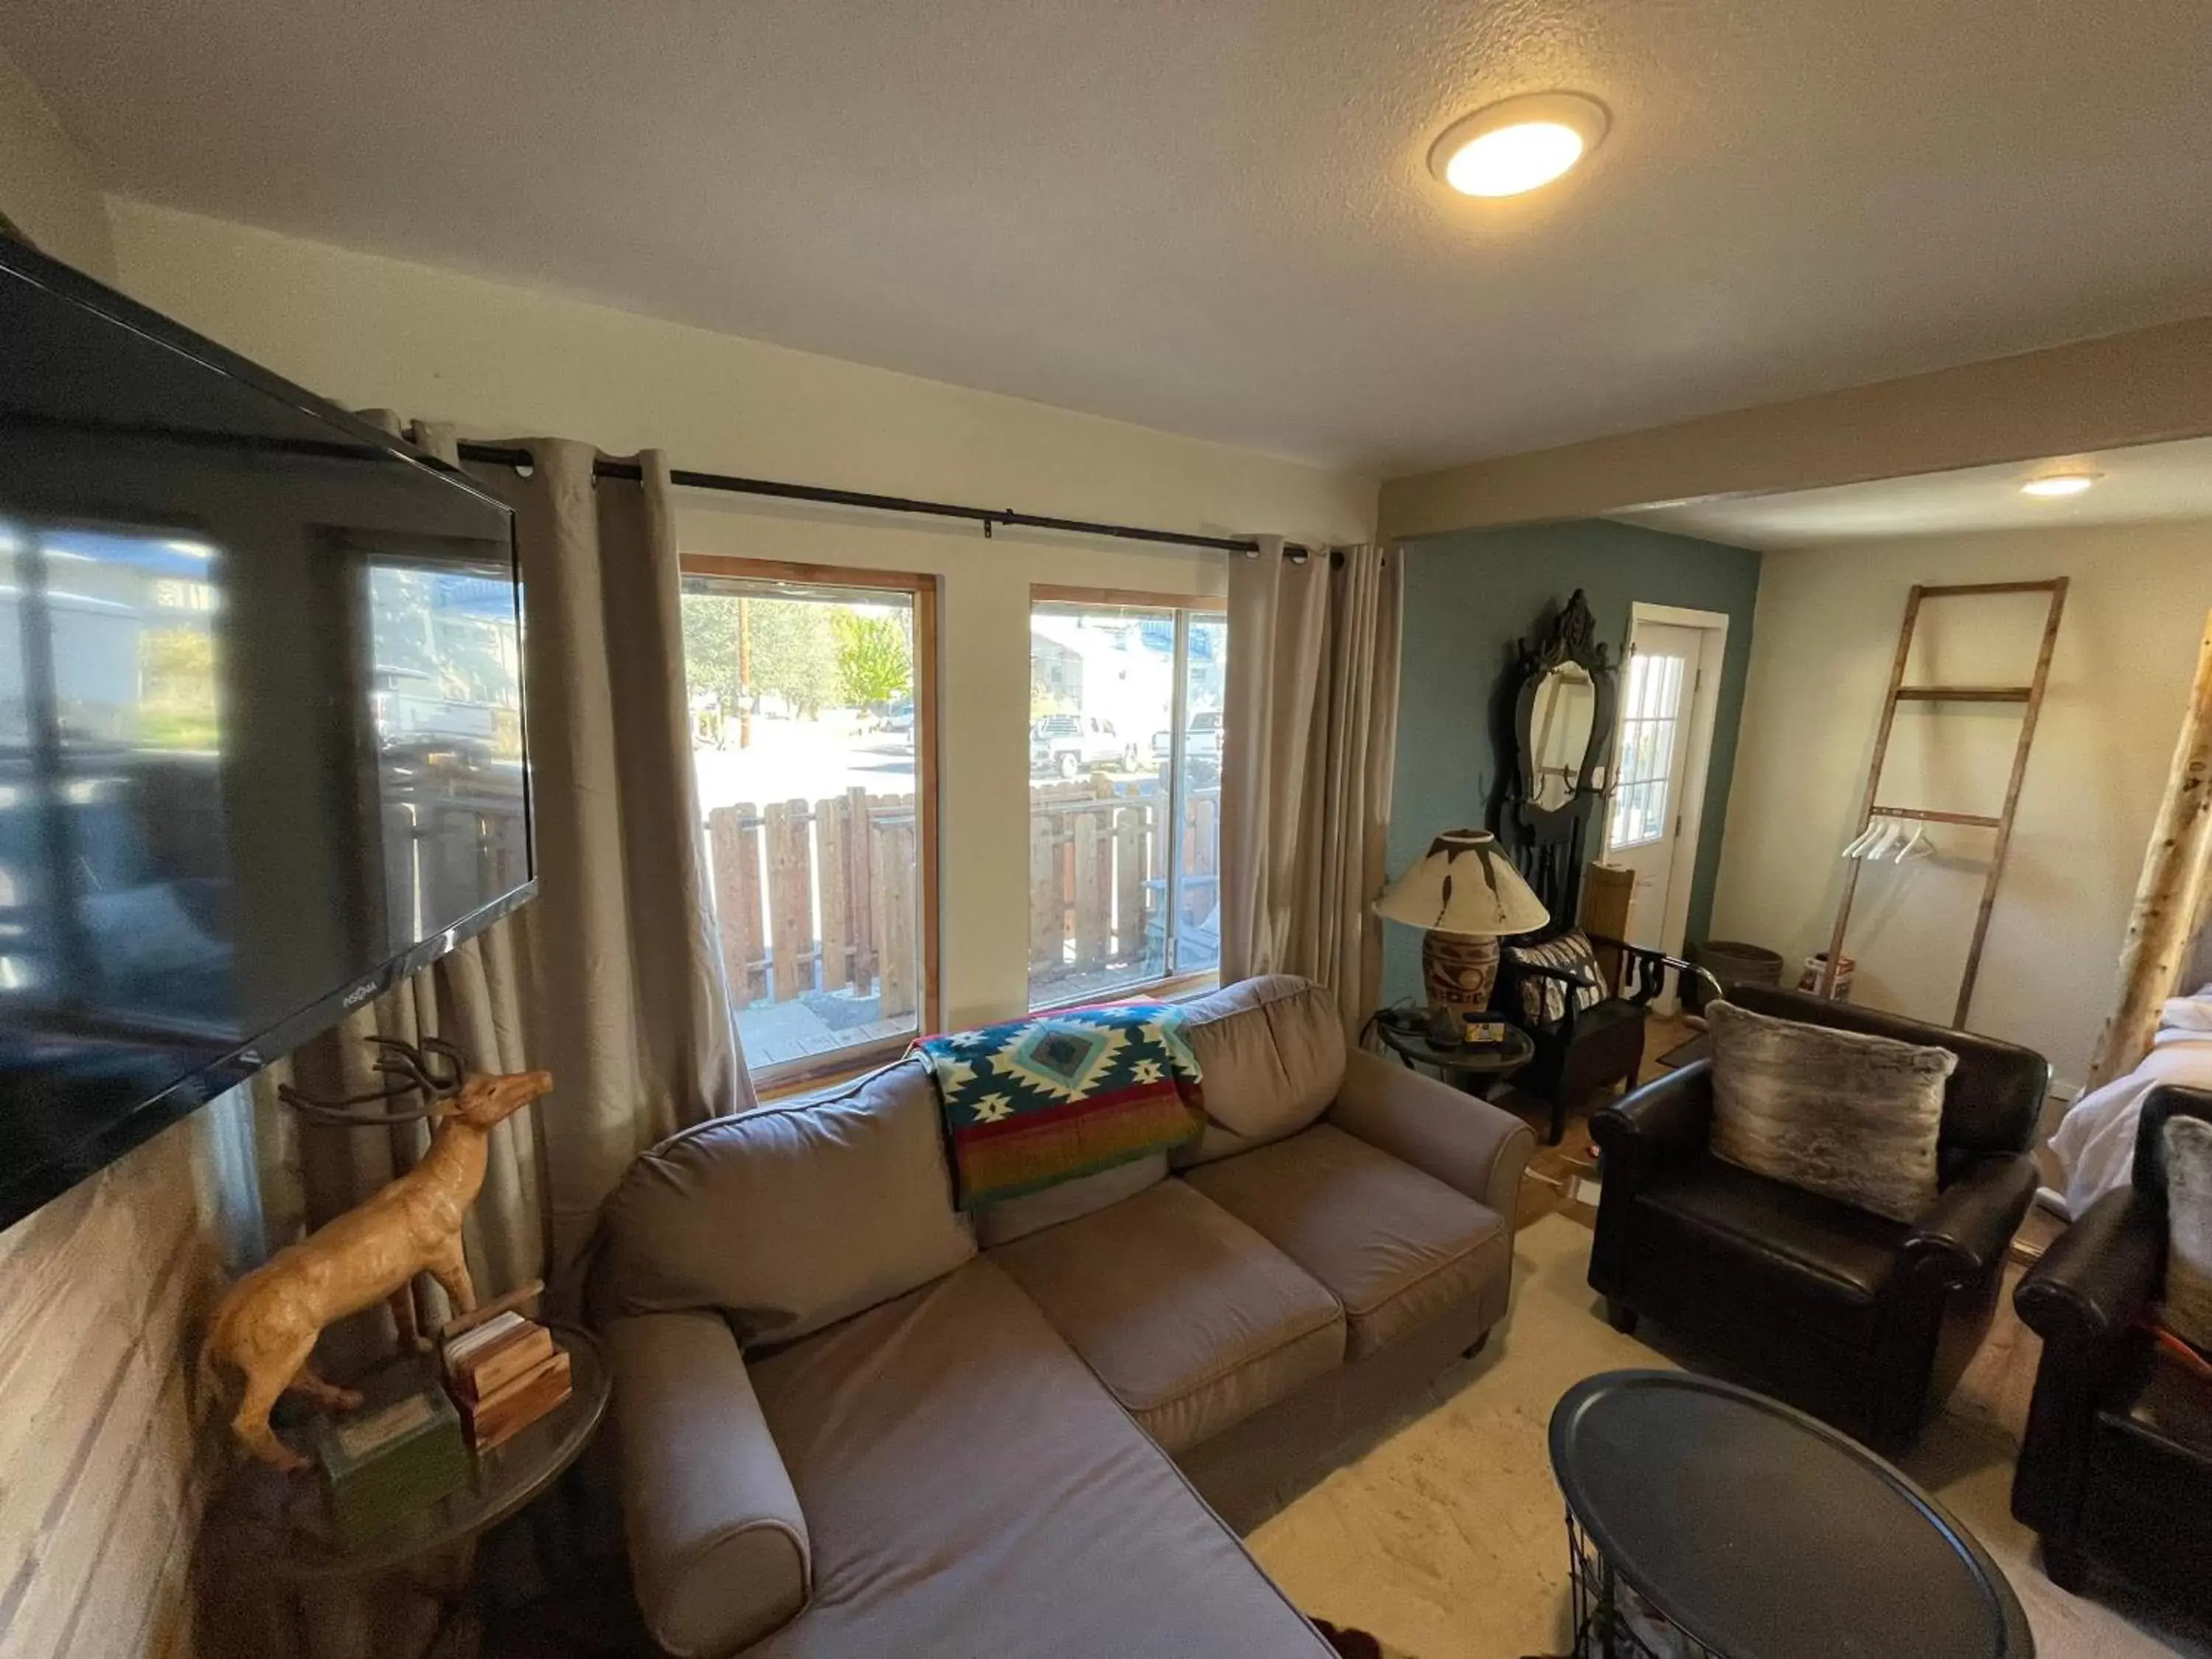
(24, 1191)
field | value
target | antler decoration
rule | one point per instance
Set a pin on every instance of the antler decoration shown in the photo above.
(434, 1069)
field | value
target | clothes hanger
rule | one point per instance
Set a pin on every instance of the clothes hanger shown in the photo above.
(1920, 846)
(1866, 836)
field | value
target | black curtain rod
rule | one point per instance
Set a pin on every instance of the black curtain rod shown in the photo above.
(514, 456)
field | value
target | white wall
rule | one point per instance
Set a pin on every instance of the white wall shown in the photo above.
(47, 186)
(371, 332)
(1825, 634)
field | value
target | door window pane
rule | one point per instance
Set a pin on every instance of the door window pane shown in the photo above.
(806, 708)
(1641, 787)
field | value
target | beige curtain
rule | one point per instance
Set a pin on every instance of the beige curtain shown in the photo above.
(610, 978)
(1312, 724)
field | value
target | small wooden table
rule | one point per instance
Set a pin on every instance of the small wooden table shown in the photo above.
(1494, 1062)
(272, 1526)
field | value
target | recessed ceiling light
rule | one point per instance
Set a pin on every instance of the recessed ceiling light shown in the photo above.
(1518, 145)
(2059, 483)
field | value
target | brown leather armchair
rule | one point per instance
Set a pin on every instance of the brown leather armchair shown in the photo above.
(1862, 1319)
(2116, 1465)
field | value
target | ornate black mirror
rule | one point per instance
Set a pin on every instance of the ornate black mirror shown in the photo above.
(1562, 731)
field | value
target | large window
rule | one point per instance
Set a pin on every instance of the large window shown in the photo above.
(1124, 791)
(813, 742)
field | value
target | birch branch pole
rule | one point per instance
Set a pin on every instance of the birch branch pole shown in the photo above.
(2175, 891)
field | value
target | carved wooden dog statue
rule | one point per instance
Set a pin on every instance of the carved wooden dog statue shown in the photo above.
(266, 1325)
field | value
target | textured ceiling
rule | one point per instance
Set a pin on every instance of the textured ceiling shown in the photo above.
(2153, 482)
(1212, 217)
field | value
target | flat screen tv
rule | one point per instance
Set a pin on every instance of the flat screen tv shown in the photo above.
(261, 737)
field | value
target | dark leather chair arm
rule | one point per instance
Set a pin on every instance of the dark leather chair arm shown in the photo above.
(1668, 1119)
(1652, 968)
(1965, 1232)
(2081, 1299)
(2101, 1273)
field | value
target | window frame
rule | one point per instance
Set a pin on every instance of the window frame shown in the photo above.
(1175, 982)
(796, 1076)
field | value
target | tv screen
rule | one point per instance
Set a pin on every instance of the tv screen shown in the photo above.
(261, 736)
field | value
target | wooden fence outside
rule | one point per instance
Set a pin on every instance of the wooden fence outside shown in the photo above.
(823, 896)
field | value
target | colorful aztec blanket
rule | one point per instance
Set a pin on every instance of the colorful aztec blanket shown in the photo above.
(1035, 1101)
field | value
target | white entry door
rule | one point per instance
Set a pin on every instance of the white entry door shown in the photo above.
(1645, 818)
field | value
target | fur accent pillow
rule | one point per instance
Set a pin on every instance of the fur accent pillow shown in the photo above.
(1849, 1116)
(2188, 1310)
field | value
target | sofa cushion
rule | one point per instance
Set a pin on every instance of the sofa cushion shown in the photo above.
(1271, 1050)
(1191, 1318)
(790, 1218)
(1775, 1242)
(1845, 1113)
(971, 1488)
(1016, 1217)
(1395, 1246)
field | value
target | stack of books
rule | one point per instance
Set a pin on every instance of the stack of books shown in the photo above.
(385, 1464)
(504, 1374)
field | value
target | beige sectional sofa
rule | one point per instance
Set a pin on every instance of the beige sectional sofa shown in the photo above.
(853, 1422)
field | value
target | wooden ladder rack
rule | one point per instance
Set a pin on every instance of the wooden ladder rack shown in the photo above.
(2028, 696)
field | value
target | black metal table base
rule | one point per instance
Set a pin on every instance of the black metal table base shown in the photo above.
(1610, 1619)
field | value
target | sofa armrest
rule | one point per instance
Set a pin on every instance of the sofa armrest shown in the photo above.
(1468, 1144)
(1964, 1234)
(718, 1547)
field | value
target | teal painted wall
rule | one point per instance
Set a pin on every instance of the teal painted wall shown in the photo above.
(1470, 596)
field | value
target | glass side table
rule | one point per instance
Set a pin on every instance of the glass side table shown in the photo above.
(271, 1529)
(1476, 1067)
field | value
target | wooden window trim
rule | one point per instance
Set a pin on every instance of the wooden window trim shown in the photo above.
(1175, 987)
(923, 585)
(1127, 598)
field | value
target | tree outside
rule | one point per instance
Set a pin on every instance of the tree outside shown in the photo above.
(791, 651)
(874, 663)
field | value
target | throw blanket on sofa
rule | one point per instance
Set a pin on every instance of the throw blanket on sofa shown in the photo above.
(2095, 1142)
(1035, 1101)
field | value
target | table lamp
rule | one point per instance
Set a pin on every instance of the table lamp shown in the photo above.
(1467, 895)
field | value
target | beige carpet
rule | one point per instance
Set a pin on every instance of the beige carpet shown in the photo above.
(1446, 1539)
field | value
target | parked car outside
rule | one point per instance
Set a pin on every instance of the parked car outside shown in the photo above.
(1201, 739)
(1064, 744)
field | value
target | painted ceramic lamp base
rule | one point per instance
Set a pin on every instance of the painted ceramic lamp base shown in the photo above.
(1459, 972)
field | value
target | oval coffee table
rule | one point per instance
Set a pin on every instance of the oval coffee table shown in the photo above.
(1756, 1532)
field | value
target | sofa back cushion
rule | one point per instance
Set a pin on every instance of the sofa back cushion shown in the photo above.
(1845, 1113)
(1271, 1059)
(790, 1218)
